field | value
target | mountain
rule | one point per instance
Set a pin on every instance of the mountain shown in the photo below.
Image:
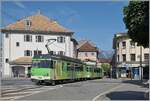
(105, 54)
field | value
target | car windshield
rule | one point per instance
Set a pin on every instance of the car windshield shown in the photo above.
(41, 64)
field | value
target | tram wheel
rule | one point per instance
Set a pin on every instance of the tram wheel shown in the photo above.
(53, 83)
(37, 82)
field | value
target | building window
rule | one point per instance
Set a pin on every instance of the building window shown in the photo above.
(17, 44)
(86, 54)
(117, 44)
(61, 53)
(37, 52)
(132, 57)
(92, 53)
(39, 38)
(146, 57)
(27, 53)
(28, 23)
(6, 60)
(132, 44)
(123, 57)
(6, 35)
(118, 57)
(123, 44)
(61, 39)
(54, 52)
(28, 38)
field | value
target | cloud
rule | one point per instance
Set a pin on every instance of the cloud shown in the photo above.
(19, 4)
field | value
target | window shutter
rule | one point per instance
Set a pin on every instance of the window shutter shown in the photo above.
(24, 37)
(30, 38)
(64, 39)
(30, 53)
(25, 53)
(36, 38)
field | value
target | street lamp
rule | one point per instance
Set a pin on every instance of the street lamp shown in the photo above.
(141, 63)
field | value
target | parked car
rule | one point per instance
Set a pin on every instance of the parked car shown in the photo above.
(146, 94)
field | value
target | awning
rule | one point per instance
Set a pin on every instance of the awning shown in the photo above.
(26, 60)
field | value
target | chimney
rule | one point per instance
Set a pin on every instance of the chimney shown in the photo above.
(38, 12)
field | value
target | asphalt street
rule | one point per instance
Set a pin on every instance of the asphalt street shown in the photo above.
(108, 89)
(16, 81)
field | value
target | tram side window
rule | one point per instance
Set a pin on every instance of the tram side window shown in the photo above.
(95, 70)
(63, 66)
(68, 67)
(41, 64)
(81, 68)
(87, 69)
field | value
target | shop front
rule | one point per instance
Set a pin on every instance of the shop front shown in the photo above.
(21, 67)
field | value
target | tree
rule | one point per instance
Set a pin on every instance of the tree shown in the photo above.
(136, 19)
(105, 67)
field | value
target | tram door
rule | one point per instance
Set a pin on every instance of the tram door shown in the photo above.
(73, 71)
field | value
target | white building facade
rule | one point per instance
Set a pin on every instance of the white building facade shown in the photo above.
(129, 57)
(87, 52)
(26, 39)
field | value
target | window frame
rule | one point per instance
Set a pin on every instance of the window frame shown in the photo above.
(61, 53)
(132, 44)
(39, 38)
(146, 59)
(26, 52)
(27, 38)
(86, 54)
(133, 57)
(61, 39)
(6, 60)
(123, 44)
(92, 53)
(6, 35)
(124, 57)
(37, 52)
(17, 44)
(28, 23)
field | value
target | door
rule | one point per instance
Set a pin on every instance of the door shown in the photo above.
(18, 71)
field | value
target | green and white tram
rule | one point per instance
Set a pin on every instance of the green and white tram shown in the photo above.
(53, 68)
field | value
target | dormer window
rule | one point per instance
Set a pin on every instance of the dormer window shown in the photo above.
(28, 24)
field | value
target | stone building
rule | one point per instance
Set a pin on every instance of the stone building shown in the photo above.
(128, 56)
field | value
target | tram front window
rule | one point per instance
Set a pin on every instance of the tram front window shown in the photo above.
(41, 64)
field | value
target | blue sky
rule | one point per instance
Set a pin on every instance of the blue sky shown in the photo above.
(95, 21)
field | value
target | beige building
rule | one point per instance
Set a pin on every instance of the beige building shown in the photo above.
(87, 51)
(128, 56)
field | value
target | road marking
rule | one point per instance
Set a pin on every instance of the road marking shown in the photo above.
(95, 98)
(57, 86)
(29, 92)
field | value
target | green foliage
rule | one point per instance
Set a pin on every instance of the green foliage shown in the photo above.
(136, 18)
(105, 67)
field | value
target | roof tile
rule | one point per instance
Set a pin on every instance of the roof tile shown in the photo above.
(38, 22)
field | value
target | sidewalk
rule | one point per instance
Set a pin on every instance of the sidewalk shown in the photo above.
(14, 78)
(125, 92)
